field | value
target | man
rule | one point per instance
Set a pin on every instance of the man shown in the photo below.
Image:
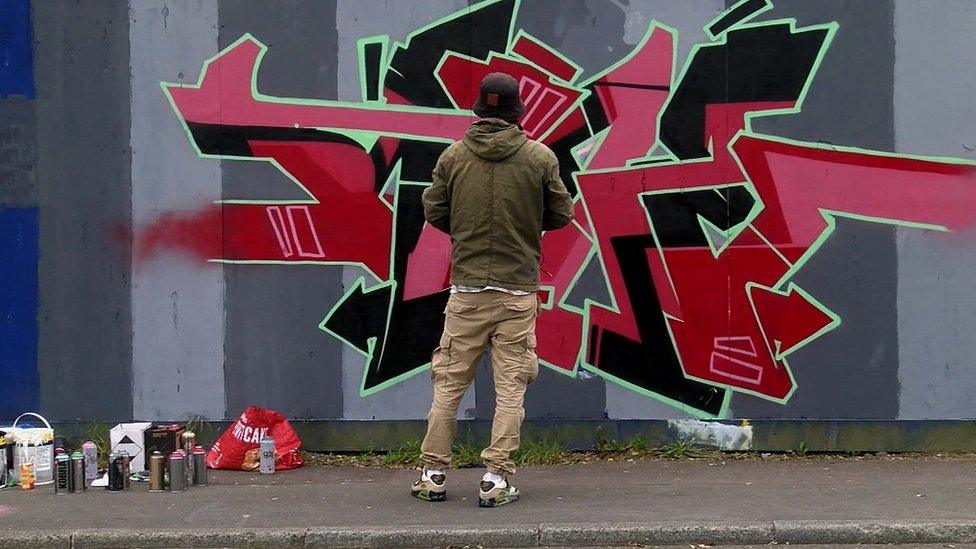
(494, 192)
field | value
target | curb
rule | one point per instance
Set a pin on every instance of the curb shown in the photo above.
(741, 533)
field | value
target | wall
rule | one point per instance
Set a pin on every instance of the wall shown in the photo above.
(206, 205)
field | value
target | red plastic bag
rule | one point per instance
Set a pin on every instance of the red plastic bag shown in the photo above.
(239, 447)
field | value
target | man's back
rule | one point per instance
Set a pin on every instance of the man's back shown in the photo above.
(494, 192)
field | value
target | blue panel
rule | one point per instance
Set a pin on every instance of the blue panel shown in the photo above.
(18, 311)
(16, 58)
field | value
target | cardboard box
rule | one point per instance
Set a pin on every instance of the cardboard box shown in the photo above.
(130, 438)
(164, 437)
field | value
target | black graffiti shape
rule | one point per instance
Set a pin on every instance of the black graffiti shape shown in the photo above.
(594, 111)
(475, 34)
(755, 64)
(735, 15)
(650, 363)
(360, 317)
(675, 215)
(406, 331)
(417, 159)
(406, 334)
(372, 63)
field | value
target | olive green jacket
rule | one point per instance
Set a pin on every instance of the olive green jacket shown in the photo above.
(494, 192)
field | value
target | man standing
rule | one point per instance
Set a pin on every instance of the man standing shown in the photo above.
(493, 192)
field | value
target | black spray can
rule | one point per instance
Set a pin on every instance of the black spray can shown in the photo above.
(157, 472)
(199, 466)
(62, 474)
(78, 472)
(177, 473)
(125, 469)
(116, 473)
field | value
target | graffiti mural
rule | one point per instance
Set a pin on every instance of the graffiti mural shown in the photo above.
(697, 223)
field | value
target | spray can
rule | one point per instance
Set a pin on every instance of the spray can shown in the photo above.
(177, 473)
(125, 469)
(116, 473)
(157, 472)
(62, 474)
(59, 444)
(6, 458)
(199, 466)
(27, 476)
(189, 440)
(267, 455)
(90, 450)
(78, 483)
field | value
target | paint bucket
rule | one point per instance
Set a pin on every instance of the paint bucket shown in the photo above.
(34, 445)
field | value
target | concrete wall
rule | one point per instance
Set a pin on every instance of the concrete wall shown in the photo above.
(177, 252)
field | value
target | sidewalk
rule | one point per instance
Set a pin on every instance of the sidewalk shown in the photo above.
(647, 502)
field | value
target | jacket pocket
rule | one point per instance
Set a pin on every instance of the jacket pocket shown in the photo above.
(441, 358)
(529, 370)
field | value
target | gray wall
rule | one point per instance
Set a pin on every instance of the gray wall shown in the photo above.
(177, 305)
(932, 116)
(103, 155)
(275, 354)
(81, 60)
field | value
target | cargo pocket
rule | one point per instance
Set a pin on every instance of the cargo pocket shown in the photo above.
(519, 307)
(441, 358)
(459, 308)
(529, 368)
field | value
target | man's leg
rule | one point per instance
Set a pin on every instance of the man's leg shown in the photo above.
(515, 365)
(467, 325)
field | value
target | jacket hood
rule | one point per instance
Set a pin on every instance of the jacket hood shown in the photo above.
(494, 139)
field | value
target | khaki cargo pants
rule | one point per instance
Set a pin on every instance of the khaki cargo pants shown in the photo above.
(473, 322)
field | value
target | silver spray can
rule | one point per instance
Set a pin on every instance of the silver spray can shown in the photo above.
(78, 482)
(177, 473)
(199, 466)
(189, 442)
(267, 455)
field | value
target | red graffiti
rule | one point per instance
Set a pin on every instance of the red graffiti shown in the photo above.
(697, 246)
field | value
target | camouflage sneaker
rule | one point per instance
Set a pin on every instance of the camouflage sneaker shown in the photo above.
(430, 488)
(493, 495)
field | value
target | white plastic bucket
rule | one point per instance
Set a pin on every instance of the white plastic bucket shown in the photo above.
(34, 445)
